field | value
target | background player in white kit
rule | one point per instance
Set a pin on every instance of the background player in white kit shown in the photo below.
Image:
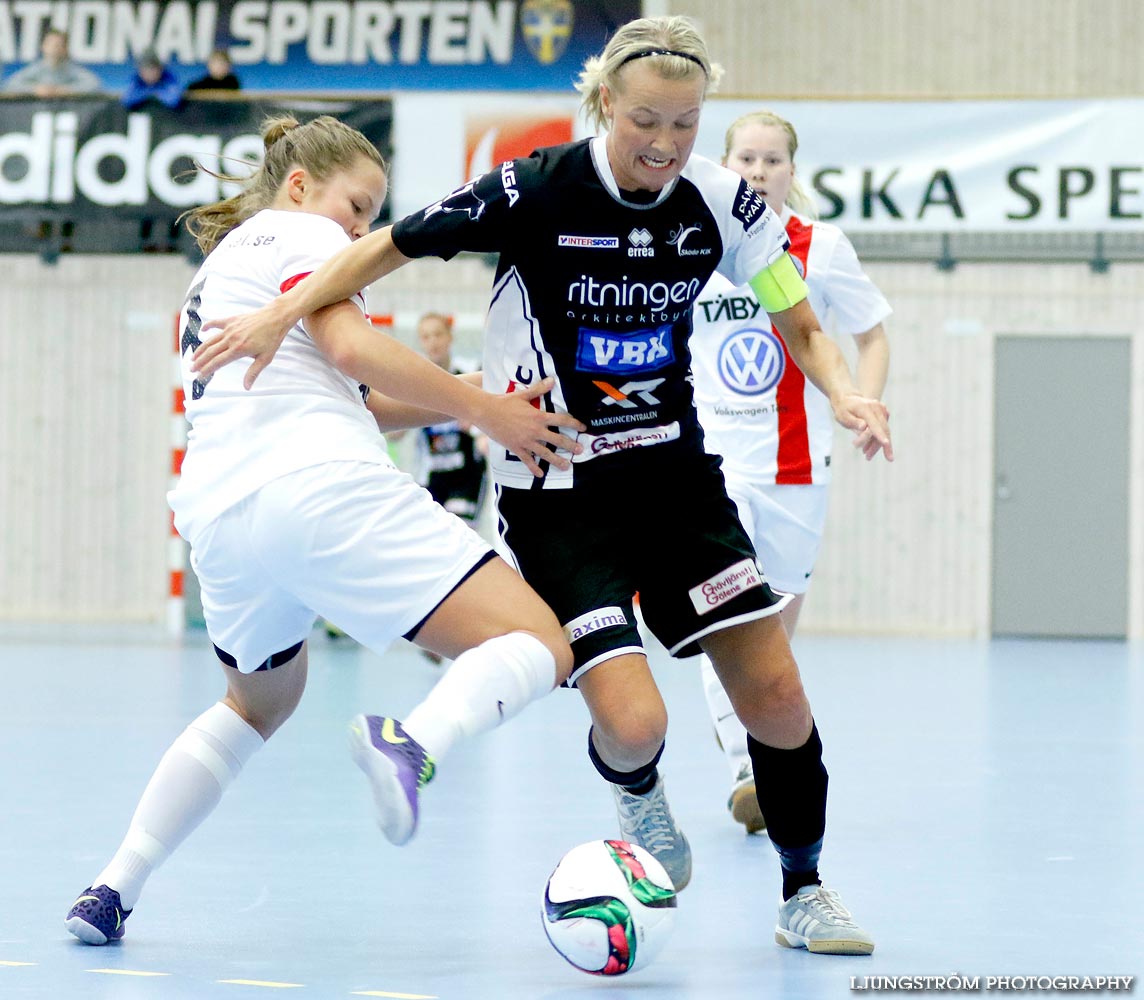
(773, 428)
(293, 509)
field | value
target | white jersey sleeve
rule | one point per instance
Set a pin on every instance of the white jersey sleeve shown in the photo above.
(852, 303)
(753, 236)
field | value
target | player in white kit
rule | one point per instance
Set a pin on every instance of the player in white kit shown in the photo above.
(293, 509)
(773, 428)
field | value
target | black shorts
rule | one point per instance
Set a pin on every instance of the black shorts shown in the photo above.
(664, 529)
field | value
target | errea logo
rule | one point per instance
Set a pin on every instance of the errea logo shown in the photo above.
(640, 240)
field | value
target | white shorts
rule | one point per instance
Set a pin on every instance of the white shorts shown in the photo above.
(785, 524)
(359, 544)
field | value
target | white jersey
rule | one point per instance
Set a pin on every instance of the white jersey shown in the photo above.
(758, 410)
(301, 412)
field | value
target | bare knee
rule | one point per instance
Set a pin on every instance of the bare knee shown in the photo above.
(629, 738)
(266, 699)
(264, 720)
(778, 712)
(557, 645)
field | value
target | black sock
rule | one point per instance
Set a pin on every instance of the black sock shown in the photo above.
(793, 881)
(791, 788)
(639, 782)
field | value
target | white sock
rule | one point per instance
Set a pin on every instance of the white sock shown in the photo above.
(732, 733)
(484, 686)
(185, 788)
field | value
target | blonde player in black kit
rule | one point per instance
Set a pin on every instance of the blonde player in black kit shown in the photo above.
(604, 247)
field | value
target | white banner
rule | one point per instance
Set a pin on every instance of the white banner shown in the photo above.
(935, 166)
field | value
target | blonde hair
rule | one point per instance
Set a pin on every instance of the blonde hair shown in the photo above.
(797, 197)
(322, 147)
(436, 317)
(673, 47)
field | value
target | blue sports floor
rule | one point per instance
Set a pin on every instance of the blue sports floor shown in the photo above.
(986, 818)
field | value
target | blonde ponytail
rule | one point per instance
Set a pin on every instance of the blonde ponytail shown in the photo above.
(321, 146)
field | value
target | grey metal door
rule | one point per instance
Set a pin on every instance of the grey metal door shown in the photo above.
(1060, 510)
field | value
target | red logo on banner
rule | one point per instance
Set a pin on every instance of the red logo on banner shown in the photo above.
(491, 141)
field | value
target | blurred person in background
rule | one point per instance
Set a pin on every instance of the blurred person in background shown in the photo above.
(450, 459)
(152, 81)
(451, 455)
(772, 427)
(55, 73)
(219, 74)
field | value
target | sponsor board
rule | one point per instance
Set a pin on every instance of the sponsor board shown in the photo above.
(330, 44)
(90, 154)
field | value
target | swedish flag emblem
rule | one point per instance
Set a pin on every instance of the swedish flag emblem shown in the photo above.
(546, 26)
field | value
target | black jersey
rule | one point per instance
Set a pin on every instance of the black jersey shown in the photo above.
(597, 290)
(446, 447)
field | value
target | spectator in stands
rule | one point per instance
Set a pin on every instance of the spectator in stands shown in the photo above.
(219, 75)
(152, 81)
(54, 74)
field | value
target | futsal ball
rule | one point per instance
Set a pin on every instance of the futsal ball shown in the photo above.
(608, 907)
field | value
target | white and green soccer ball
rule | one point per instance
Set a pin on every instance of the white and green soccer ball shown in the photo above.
(609, 907)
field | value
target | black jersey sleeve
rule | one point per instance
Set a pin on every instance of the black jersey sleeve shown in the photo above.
(479, 216)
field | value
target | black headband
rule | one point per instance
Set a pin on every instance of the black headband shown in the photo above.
(644, 53)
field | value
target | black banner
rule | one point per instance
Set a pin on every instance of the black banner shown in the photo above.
(91, 165)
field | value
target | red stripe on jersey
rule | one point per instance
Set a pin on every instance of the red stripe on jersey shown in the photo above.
(291, 282)
(794, 467)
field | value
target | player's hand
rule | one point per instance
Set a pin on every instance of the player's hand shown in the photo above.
(256, 335)
(869, 420)
(528, 431)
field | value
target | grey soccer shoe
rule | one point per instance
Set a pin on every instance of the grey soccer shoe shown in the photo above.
(815, 919)
(646, 820)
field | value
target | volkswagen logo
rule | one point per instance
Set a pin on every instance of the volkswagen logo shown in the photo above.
(751, 361)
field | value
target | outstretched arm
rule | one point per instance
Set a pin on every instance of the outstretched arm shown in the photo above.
(822, 362)
(873, 360)
(394, 417)
(356, 349)
(782, 292)
(259, 334)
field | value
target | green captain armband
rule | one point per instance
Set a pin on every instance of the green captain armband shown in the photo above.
(779, 286)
